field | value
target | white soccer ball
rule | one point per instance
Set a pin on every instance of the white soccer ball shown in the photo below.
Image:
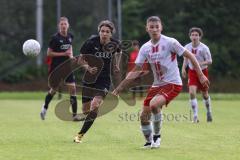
(31, 47)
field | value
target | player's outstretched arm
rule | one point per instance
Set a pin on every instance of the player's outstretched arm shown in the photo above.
(202, 78)
(116, 61)
(70, 52)
(184, 66)
(131, 76)
(116, 67)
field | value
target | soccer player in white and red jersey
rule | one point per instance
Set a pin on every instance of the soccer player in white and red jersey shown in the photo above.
(203, 56)
(160, 52)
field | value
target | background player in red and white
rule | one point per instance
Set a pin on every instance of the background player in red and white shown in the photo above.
(59, 51)
(160, 52)
(203, 56)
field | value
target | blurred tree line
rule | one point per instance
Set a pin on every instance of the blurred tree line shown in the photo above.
(219, 19)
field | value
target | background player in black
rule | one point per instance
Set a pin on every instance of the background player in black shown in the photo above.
(60, 50)
(97, 55)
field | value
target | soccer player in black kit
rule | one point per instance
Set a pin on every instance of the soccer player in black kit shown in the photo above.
(59, 51)
(106, 49)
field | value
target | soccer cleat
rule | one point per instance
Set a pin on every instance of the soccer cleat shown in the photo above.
(147, 145)
(195, 119)
(77, 118)
(156, 141)
(78, 138)
(209, 117)
(43, 113)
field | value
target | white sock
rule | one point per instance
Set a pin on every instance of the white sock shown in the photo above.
(207, 103)
(44, 110)
(157, 123)
(147, 132)
(194, 105)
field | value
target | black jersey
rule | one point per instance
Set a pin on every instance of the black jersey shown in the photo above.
(94, 48)
(59, 43)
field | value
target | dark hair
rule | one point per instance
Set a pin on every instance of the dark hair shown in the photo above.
(108, 24)
(153, 19)
(196, 29)
(135, 43)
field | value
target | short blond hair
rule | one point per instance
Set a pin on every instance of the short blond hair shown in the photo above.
(63, 19)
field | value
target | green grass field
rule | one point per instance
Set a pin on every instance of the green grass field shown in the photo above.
(23, 136)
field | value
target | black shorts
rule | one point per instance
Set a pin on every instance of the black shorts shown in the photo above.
(70, 78)
(100, 88)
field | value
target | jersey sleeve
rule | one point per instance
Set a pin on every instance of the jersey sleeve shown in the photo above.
(141, 57)
(207, 55)
(85, 47)
(52, 43)
(176, 47)
(187, 60)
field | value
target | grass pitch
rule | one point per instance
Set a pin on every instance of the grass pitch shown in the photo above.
(117, 135)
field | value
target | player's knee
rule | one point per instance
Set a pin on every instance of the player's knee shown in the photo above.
(154, 105)
(96, 102)
(157, 102)
(192, 95)
(205, 96)
(72, 90)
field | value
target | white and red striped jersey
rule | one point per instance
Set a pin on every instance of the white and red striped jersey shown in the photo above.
(201, 52)
(162, 58)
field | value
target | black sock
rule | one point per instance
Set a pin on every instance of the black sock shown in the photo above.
(88, 122)
(73, 101)
(48, 99)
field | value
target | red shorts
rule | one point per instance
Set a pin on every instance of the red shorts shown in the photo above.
(194, 81)
(169, 91)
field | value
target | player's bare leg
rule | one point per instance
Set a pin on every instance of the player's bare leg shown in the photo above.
(156, 106)
(193, 102)
(207, 102)
(48, 99)
(91, 116)
(146, 126)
